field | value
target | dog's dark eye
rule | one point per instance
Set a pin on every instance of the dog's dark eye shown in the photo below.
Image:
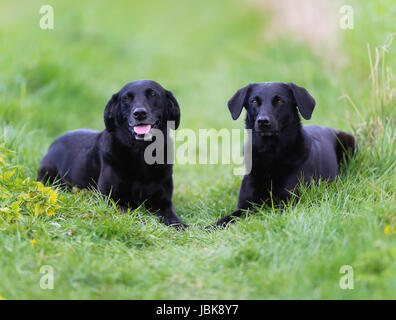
(128, 96)
(278, 101)
(254, 101)
(153, 94)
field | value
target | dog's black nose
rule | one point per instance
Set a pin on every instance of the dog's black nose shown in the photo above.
(140, 114)
(264, 121)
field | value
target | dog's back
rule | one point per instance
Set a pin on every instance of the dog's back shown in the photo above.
(328, 148)
(346, 145)
(71, 158)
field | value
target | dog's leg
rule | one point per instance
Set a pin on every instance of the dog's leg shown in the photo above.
(245, 201)
(169, 217)
(224, 221)
(47, 172)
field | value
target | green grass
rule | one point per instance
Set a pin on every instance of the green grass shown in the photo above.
(54, 81)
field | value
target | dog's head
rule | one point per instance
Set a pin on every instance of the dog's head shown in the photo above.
(140, 106)
(271, 106)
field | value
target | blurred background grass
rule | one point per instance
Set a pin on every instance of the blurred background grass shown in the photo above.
(52, 81)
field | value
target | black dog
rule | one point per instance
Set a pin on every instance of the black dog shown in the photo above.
(113, 160)
(283, 151)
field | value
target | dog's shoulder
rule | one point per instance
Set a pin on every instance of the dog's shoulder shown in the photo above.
(317, 132)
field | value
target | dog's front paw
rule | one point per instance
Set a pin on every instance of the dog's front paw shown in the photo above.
(176, 223)
(179, 225)
(221, 223)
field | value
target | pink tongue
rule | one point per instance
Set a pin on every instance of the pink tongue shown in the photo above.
(143, 129)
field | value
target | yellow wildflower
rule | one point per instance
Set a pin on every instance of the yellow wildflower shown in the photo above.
(24, 196)
(38, 209)
(387, 228)
(33, 241)
(15, 206)
(8, 174)
(53, 197)
(39, 186)
(47, 190)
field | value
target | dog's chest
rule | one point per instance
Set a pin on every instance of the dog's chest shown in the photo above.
(142, 183)
(269, 179)
(140, 191)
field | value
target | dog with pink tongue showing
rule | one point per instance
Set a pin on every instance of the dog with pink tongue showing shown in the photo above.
(142, 129)
(113, 160)
(142, 132)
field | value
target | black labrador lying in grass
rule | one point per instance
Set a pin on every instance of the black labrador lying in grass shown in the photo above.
(113, 160)
(283, 150)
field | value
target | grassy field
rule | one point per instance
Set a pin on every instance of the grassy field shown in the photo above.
(56, 80)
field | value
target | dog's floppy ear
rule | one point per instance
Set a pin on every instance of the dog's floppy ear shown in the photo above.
(110, 112)
(304, 101)
(235, 104)
(173, 109)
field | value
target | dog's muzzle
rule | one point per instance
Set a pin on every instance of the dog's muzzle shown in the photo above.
(265, 126)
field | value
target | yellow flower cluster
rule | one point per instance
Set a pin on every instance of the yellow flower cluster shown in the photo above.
(389, 230)
(41, 200)
(17, 195)
(37, 201)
